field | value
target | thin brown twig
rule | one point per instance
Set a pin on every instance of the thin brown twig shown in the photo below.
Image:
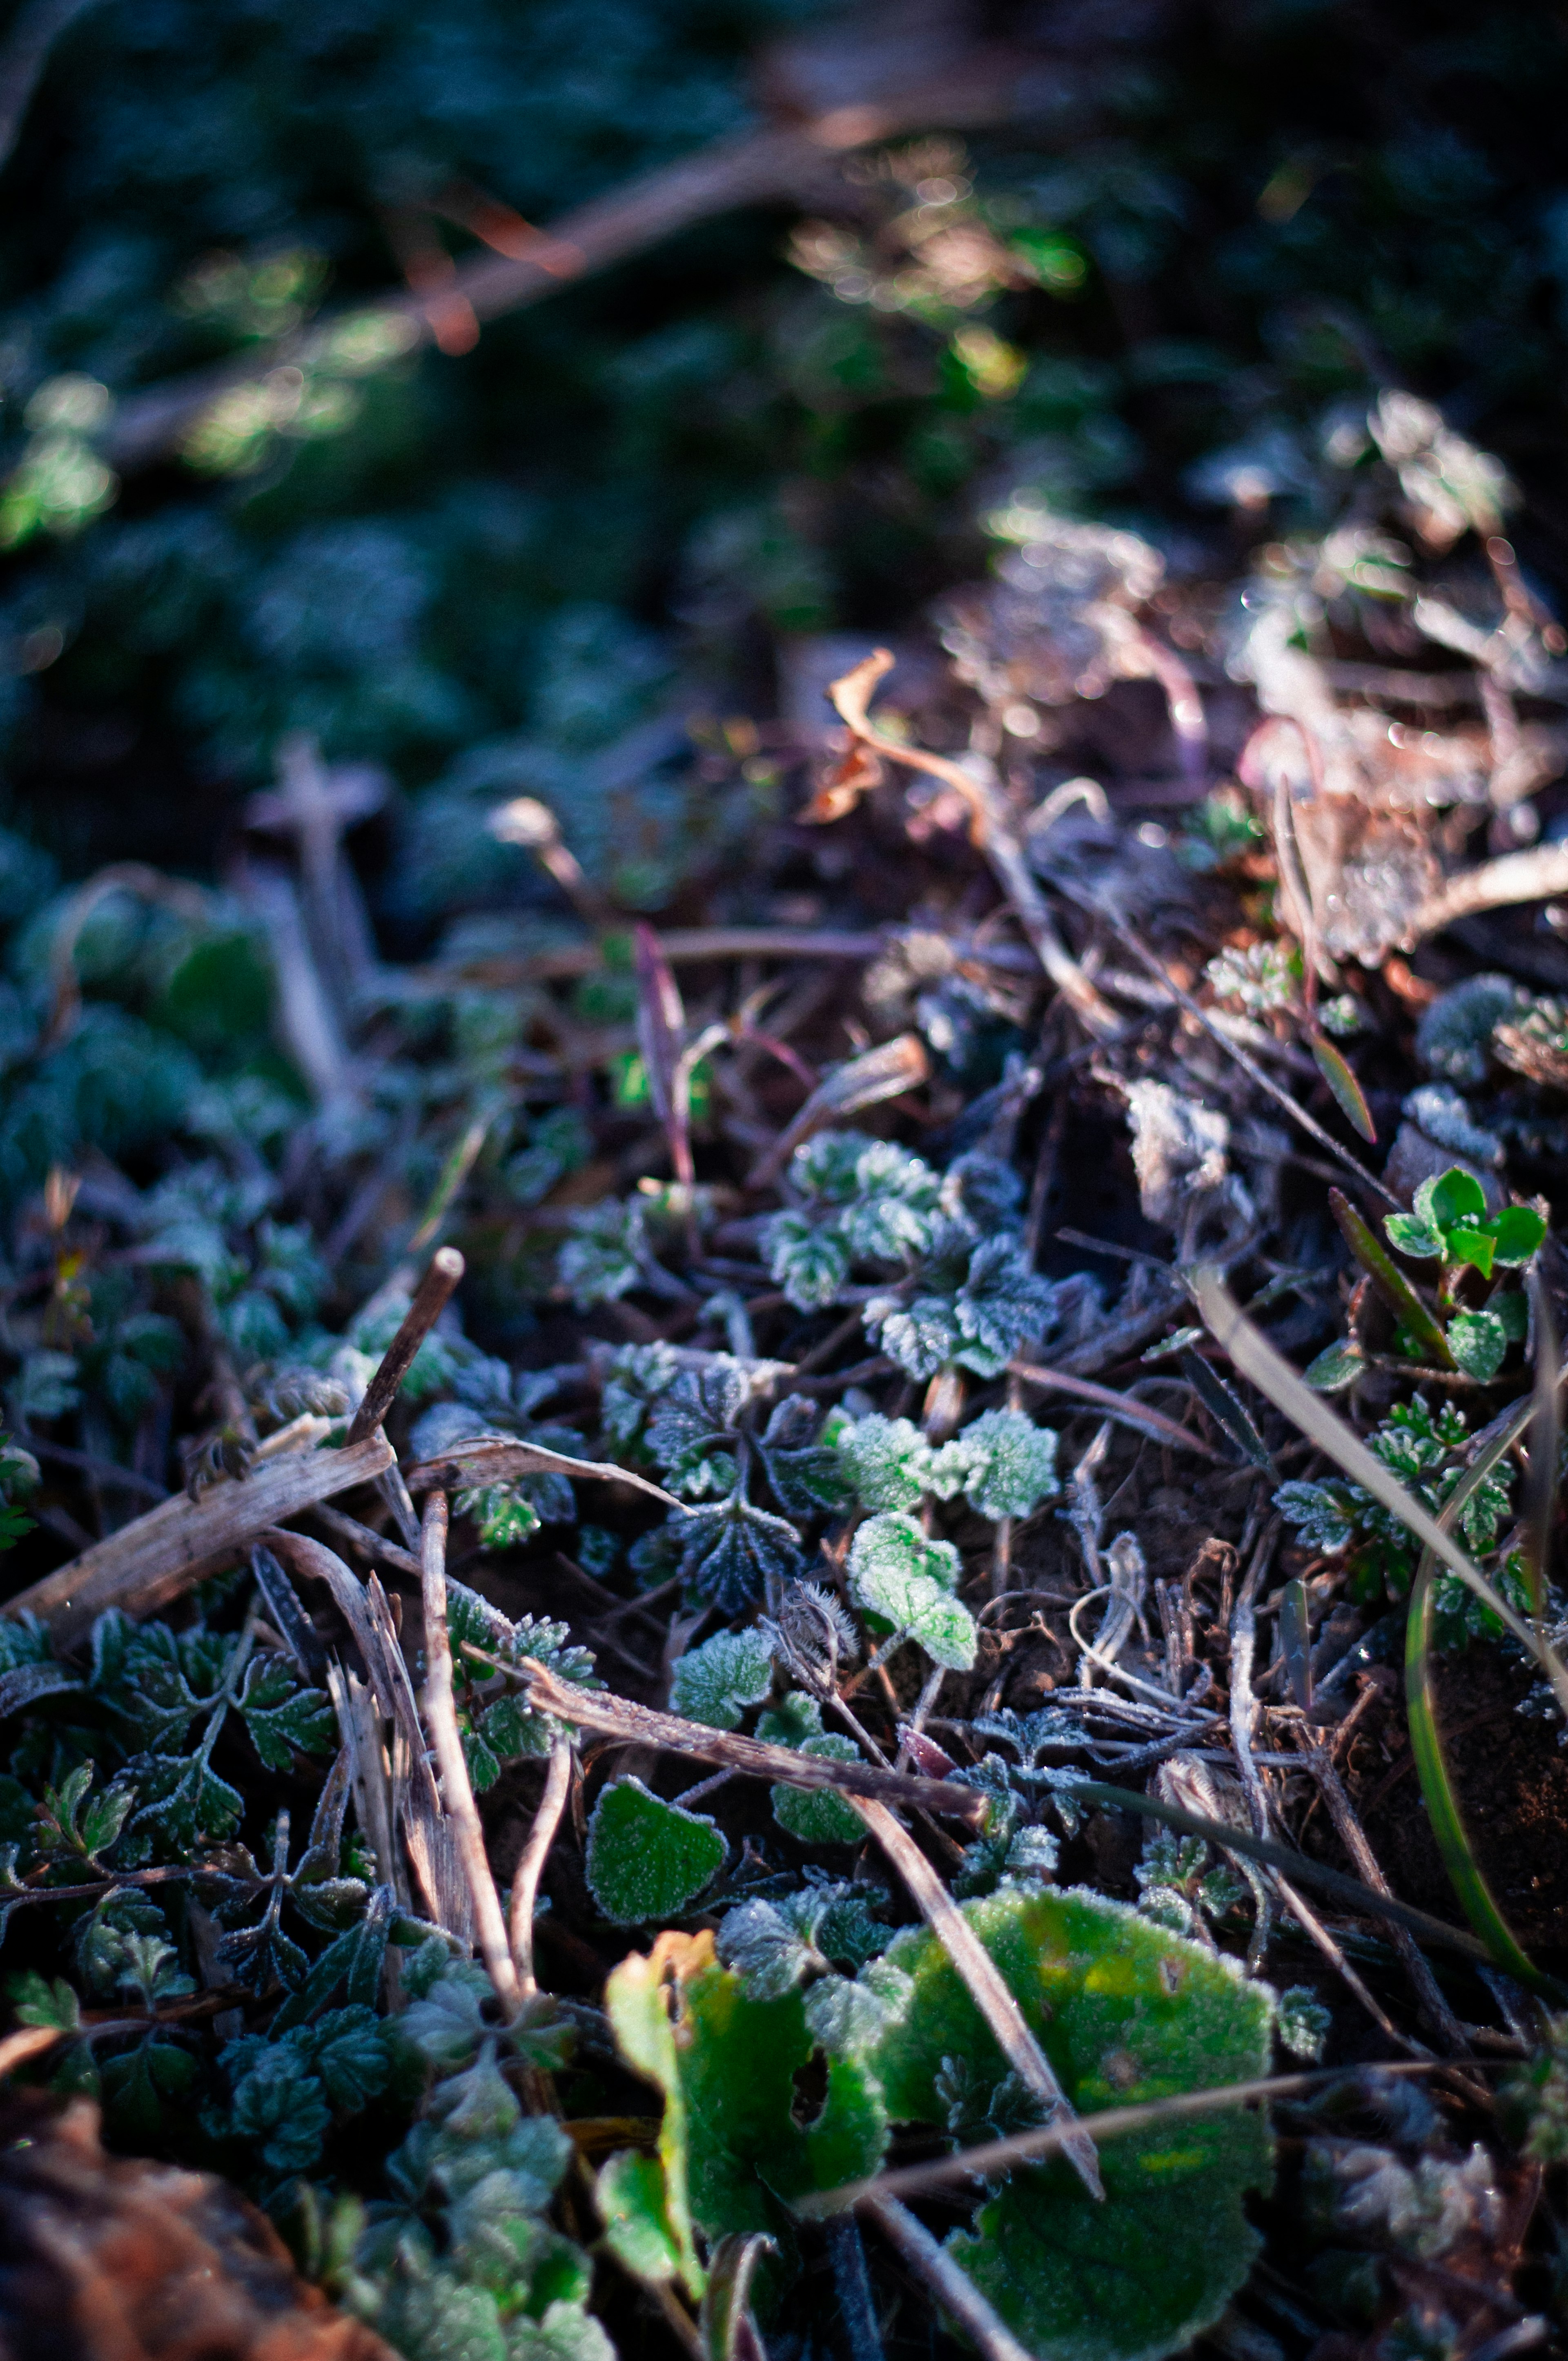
(431, 1298)
(995, 2156)
(619, 1718)
(457, 1794)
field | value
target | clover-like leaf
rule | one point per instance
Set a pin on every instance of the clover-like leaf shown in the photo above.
(715, 1683)
(1451, 1197)
(1413, 1236)
(901, 1574)
(1479, 1341)
(1517, 1232)
(647, 1859)
(1125, 2011)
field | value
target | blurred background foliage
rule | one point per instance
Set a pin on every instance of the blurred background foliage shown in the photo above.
(547, 564)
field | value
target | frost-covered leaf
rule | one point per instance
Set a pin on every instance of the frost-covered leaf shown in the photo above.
(1123, 2011)
(1324, 1518)
(808, 1257)
(729, 1553)
(647, 1859)
(901, 1574)
(281, 1714)
(1479, 1343)
(886, 1460)
(806, 1474)
(1304, 2023)
(1336, 1367)
(733, 2146)
(1003, 1462)
(715, 1683)
(815, 1816)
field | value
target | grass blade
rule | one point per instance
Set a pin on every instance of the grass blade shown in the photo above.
(1335, 1070)
(1464, 1870)
(1389, 1281)
(1255, 1357)
(1226, 1410)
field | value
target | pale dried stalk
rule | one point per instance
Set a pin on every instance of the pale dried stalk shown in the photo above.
(618, 1717)
(957, 2296)
(1534, 876)
(1121, 1407)
(981, 1978)
(153, 1560)
(363, 1607)
(993, 834)
(535, 1853)
(994, 2156)
(441, 1716)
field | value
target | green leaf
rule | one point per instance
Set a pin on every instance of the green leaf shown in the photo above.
(739, 2148)
(1003, 1464)
(898, 1571)
(629, 2193)
(1336, 1367)
(886, 1460)
(715, 1683)
(1479, 1342)
(647, 1859)
(281, 1715)
(1413, 1238)
(1453, 1196)
(1336, 1071)
(814, 1816)
(1226, 1409)
(1518, 1231)
(1477, 1248)
(1125, 2011)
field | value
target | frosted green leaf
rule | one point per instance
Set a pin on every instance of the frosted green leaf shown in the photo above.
(1003, 1464)
(807, 1256)
(1336, 1367)
(899, 1573)
(714, 1682)
(886, 1460)
(740, 2153)
(1125, 2012)
(647, 1859)
(1413, 1236)
(815, 1815)
(1479, 1341)
(630, 2192)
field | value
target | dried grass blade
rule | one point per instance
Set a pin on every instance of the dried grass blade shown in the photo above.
(955, 2294)
(1347, 1891)
(661, 1033)
(153, 1560)
(1111, 2123)
(495, 1459)
(1256, 1359)
(1448, 1826)
(457, 1793)
(884, 1073)
(1336, 1071)
(983, 1981)
(1121, 1407)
